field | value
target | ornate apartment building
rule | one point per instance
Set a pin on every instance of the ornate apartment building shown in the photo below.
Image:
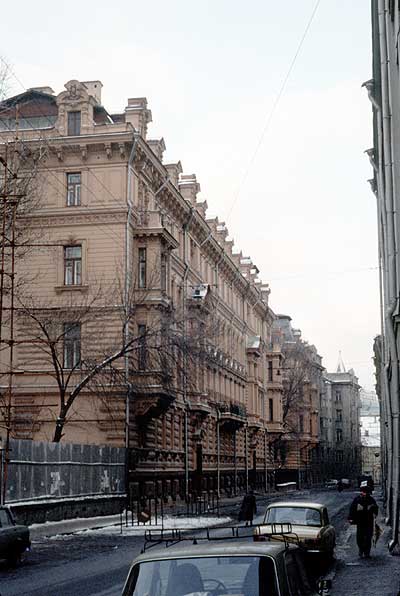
(340, 420)
(136, 324)
(297, 448)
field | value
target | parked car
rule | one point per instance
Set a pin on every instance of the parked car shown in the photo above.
(331, 483)
(14, 539)
(309, 523)
(221, 568)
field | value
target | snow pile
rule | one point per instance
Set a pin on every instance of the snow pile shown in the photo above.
(169, 523)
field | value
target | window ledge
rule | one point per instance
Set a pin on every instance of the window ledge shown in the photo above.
(69, 288)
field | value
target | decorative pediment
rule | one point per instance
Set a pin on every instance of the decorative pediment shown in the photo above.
(75, 92)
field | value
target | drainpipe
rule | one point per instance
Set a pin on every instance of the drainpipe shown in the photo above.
(265, 461)
(1, 471)
(246, 448)
(185, 399)
(235, 462)
(379, 191)
(395, 394)
(392, 297)
(127, 289)
(218, 456)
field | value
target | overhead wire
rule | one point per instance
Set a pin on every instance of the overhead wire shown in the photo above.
(63, 187)
(54, 127)
(326, 274)
(51, 172)
(274, 107)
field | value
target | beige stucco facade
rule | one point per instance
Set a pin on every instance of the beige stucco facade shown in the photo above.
(122, 231)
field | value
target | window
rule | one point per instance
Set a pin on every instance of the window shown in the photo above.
(270, 371)
(72, 345)
(301, 423)
(238, 574)
(339, 435)
(142, 267)
(142, 356)
(73, 265)
(5, 519)
(339, 456)
(74, 124)
(339, 416)
(73, 189)
(271, 409)
(163, 272)
(338, 396)
(193, 254)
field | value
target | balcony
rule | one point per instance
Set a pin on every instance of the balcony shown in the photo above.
(217, 356)
(254, 346)
(254, 423)
(232, 416)
(152, 401)
(198, 404)
(153, 223)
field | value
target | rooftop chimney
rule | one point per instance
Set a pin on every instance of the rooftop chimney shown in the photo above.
(94, 89)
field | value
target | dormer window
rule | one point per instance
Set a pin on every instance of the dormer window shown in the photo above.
(74, 124)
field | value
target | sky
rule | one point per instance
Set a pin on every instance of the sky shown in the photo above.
(283, 166)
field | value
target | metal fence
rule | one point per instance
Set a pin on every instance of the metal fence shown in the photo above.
(152, 510)
(41, 470)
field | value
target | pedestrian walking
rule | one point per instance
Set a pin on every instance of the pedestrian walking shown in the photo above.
(363, 511)
(248, 508)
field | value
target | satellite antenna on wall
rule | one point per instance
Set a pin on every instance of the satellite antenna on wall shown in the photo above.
(340, 367)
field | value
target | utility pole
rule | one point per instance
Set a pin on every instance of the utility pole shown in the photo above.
(9, 198)
(185, 356)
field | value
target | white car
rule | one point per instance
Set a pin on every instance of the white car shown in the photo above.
(309, 523)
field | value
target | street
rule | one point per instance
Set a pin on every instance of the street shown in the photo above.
(95, 563)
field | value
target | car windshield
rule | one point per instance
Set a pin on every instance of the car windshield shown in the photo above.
(204, 576)
(302, 516)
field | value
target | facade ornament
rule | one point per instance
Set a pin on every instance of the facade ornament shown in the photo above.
(108, 150)
(74, 89)
(84, 152)
(60, 155)
(122, 149)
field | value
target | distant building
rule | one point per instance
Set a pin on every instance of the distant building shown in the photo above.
(370, 435)
(340, 425)
(296, 451)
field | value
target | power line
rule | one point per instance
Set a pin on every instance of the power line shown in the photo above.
(324, 274)
(92, 173)
(274, 106)
(63, 187)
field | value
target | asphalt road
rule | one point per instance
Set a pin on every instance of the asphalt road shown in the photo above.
(96, 564)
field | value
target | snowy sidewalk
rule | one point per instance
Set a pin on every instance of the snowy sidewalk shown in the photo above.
(112, 525)
(229, 508)
(376, 576)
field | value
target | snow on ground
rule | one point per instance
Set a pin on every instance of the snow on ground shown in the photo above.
(169, 523)
(77, 520)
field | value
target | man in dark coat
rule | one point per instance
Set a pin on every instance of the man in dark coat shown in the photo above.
(362, 513)
(248, 508)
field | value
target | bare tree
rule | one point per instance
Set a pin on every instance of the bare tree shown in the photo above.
(83, 346)
(297, 373)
